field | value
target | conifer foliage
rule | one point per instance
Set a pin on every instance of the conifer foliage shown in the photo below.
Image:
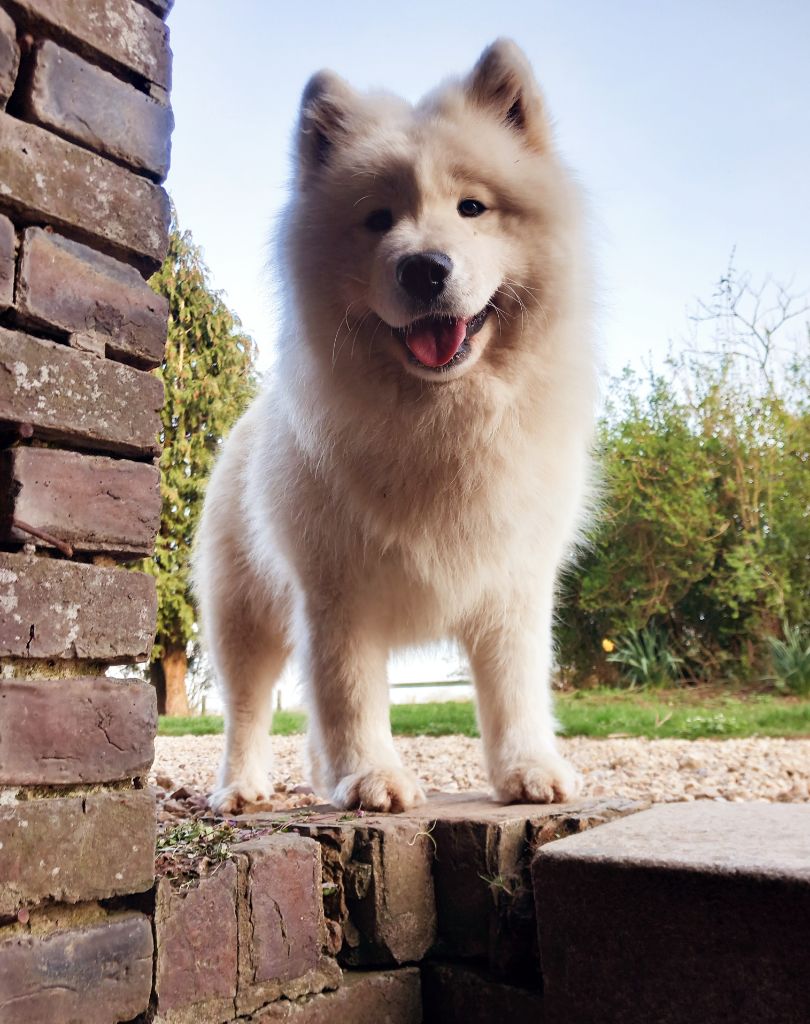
(209, 376)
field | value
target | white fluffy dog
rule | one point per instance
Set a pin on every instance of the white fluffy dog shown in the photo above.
(417, 466)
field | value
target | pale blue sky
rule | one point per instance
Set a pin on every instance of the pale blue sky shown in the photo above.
(687, 122)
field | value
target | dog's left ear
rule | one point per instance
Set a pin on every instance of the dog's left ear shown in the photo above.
(502, 83)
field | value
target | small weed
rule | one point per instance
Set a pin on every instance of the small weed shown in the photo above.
(499, 883)
(426, 834)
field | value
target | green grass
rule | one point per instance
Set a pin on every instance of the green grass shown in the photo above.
(682, 714)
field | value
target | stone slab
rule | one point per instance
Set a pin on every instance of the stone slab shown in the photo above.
(76, 289)
(366, 997)
(94, 973)
(51, 608)
(76, 848)
(66, 395)
(121, 31)
(92, 503)
(71, 731)
(98, 110)
(686, 912)
(45, 177)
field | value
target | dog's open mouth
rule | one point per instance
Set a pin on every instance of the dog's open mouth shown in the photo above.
(440, 342)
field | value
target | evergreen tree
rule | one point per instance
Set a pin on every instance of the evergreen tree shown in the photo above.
(209, 376)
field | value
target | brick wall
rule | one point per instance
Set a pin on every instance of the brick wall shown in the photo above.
(84, 146)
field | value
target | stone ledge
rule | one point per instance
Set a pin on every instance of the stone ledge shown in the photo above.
(452, 876)
(686, 912)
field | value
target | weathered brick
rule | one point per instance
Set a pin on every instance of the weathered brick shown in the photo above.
(51, 608)
(683, 913)
(366, 997)
(90, 502)
(281, 916)
(68, 285)
(120, 30)
(196, 935)
(76, 848)
(456, 992)
(9, 57)
(68, 395)
(68, 731)
(93, 107)
(97, 973)
(42, 176)
(160, 7)
(7, 259)
(377, 872)
(455, 871)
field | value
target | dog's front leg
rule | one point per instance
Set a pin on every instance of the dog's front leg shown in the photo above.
(510, 655)
(352, 752)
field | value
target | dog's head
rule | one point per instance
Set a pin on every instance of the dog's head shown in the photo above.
(430, 236)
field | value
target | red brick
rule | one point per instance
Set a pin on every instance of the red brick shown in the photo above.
(98, 110)
(461, 861)
(366, 997)
(9, 57)
(76, 848)
(68, 285)
(68, 731)
(68, 395)
(7, 259)
(281, 926)
(196, 966)
(44, 177)
(120, 30)
(90, 502)
(96, 973)
(51, 608)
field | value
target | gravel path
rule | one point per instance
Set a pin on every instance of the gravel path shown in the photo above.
(664, 770)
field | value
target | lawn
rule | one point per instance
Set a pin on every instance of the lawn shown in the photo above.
(683, 714)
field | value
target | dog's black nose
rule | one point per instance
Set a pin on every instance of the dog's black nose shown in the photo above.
(423, 274)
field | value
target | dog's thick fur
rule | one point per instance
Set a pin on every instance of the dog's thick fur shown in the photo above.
(367, 501)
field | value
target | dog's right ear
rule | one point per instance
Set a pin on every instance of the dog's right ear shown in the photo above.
(325, 108)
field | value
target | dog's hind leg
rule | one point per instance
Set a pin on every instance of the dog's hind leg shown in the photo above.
(247, 641)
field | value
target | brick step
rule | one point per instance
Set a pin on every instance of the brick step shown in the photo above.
(684, 913)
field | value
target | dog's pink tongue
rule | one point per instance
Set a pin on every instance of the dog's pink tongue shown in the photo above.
(435, 342)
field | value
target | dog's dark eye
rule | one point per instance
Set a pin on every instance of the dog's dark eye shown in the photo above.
(379, 220)
(471, 208)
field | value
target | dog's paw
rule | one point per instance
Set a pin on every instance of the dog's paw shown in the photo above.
(233, 798)
(546, 780)
(379, 789)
